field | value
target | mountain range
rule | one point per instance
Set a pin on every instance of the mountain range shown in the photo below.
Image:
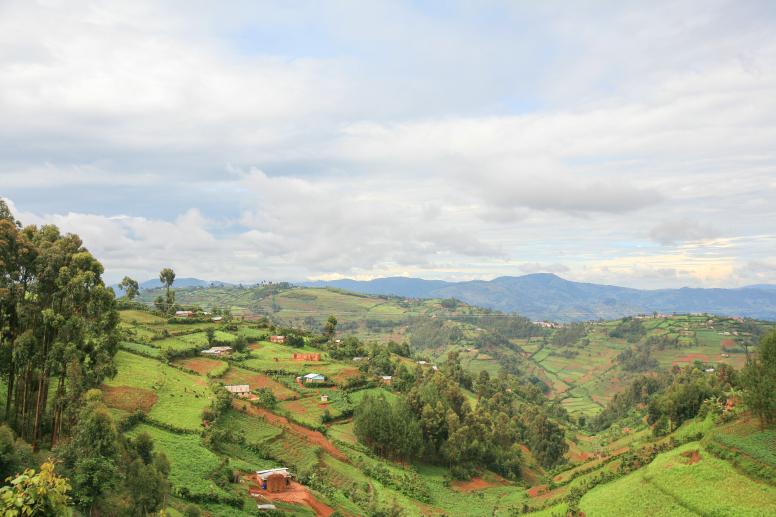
(546, 296)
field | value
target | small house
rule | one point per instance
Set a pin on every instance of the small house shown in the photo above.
(216, 319)
(184, 314)
(266, 506)
(422, 363)
(277, 339)
(314, 378)
(217, 351)
(274, 480)
(387, 379)
(324, 398)
(358, 359)
(241, 390)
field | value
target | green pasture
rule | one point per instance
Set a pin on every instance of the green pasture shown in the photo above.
(190, 463)
(674, 485)
(181, 396)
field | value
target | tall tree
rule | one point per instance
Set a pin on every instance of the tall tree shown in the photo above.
(130, 287)
(330, 327)
(167, 277)
(759, 381)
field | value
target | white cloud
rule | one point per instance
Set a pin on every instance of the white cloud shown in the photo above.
(263, 141)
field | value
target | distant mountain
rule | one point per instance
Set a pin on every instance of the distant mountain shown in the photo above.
(545, 296)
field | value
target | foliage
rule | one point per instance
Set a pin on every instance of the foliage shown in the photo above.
(759, 381)
(35, 494)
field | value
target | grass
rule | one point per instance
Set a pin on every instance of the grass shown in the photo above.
(674, 485)
(749, 439)
(190, 462)
(181, 397)
(256, 429)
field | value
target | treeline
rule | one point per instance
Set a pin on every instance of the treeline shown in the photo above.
(57, 342)
(433, 420)
(57, 325)
(511, 326)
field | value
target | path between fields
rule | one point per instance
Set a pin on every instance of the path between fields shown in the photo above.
(298, 494)
(309, 435)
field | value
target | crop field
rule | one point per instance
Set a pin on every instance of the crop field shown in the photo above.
(190, 463)
(237, 375)
(140, 348)
(256, 429)
(141, 317)
(747, 437)
(180, 397)
(684, 481)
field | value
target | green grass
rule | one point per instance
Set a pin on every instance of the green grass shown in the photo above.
(190, 462)
(749, 439)
(256, 429)
(140, 348)
(142, 317)
(181, 396)
(670, 485)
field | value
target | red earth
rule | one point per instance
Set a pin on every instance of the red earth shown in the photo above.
(128, 398)
(313, 437)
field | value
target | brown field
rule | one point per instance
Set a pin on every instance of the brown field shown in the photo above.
(128, 398)
(258, 380)
(201, 365)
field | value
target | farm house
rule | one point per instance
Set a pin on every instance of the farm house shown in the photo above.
(314, 377)
(274, 480)
(184, 314)
(218, 351)
(387, 379)
(277, 339)
(241, 390)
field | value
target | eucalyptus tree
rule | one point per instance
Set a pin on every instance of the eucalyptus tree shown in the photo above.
(58, 321)
(130, 287)
(167, 277)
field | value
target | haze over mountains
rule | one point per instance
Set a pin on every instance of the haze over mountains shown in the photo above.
(545, 296)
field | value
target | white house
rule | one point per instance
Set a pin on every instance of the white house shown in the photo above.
(314, 377)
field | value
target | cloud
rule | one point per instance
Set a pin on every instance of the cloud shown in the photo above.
(535, 267)
(672, 232)
(264, 141)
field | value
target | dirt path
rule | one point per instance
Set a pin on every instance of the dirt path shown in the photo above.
(298, 494)
(476, 483)
(313, 437)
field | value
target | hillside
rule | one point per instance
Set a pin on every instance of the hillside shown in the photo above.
(545, 296)
(580, 365)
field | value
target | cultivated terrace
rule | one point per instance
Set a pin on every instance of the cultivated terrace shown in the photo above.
(233, 400)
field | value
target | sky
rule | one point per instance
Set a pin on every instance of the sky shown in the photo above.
(621, 142)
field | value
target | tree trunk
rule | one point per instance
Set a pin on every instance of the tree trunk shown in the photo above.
(9, 395)
(39, 403)
(56, 419)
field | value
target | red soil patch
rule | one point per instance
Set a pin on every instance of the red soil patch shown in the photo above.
(689, 358)
(201, 365)
(296, 407)
(346, 373)
(313, 437)
(298, 494)
(728, 343)
(257, 380)
(476, 484)
(693, 457)
(128, 398)
(536, 491)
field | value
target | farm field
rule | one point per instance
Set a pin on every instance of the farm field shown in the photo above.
(685, 481)
(581, 376)
(180, 397)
